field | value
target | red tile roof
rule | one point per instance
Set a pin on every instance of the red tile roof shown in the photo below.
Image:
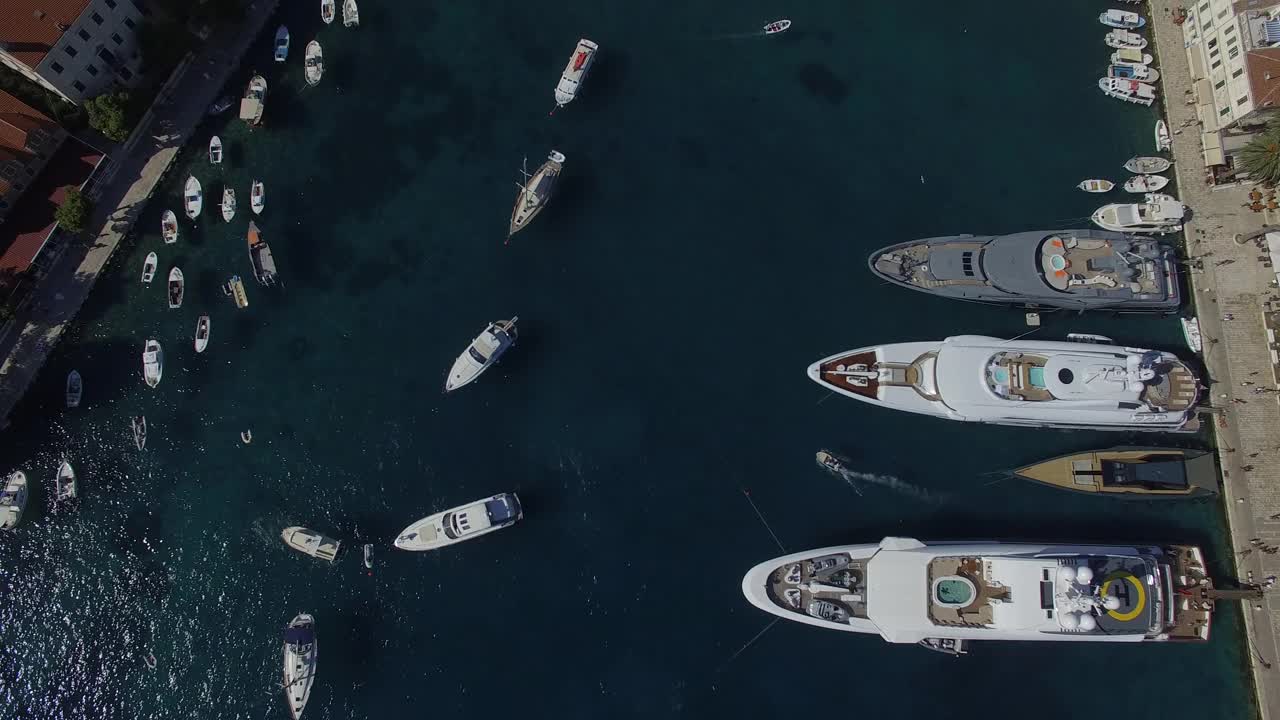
(31, 28)
(17, 120)
(24, 231)
(1264, 76)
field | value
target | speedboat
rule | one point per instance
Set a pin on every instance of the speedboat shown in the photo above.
(310, 542)
(1164, 140)
(314, 64)
(202, 333)
(1122, 19)
(1129, 56)
(152, 362)
(350, 14)
(1044, 269)
(149, 268)
(75, 388)
(13, 500)
(828, 461)
(177, 288)
(257, 197)
(192, 198)
(575, 72)
(327, 11)
(169, 227)
(941, 595)
(65, 482)
(140, 431)
(1159, 214)
(1145, 183)
(1138, 93)
(535, 193)
(228, 204)
(215, 150)
(254, 102)
(776, 27)
(1084, 383)
(1146, 165)
(282, 44)
(1142, 472)
(1191, 333)
(461, 523)
(264, 265)
(1125, 39)
(301, 650)
(1141, 73)
(1096, 186)
(483, 352)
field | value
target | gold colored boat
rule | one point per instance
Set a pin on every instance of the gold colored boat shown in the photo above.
(1145, 472)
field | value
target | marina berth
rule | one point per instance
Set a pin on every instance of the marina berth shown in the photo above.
(1132, 91)
(1035, 383)
(13, 500)
(941, 595)
(462, 523)
(1157, 214)
(575, 72)
(1140, 472)
(1069, 269)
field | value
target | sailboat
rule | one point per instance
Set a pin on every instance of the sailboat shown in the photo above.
(169, 227)
(140, 431)
(202, 333)
(193, 199)
(257, 197)
(535, 193)
(149, 268)
(177, 287)
(75, 388)
(350, 14)
(300, 652)
(215, 150)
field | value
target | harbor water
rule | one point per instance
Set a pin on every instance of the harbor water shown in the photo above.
(720, 195)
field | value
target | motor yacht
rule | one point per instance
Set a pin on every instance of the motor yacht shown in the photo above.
(1139, 472)
(310, 542)
(483, 352)
(464, 522)
(1158, 214)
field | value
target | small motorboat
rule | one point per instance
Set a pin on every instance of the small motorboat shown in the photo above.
(75, 388)
(1122, 19)
(254, 102)
(1141, 73)
(1164, 140)
(1158, 214)
(152, 362)
(1145, 183)
(829, 461)
(1146, 165)
(327, 11)
(1129, 56)
(282, 44)
(264, 265)
(246, 436)
(461, 523)
(228, 204)
(300, 652)
(314, 63)
(65, 482)
(350, 15)
(169, 227)
(177, 287)
(234, 289)
(257, 197)
(368, 557)
(202, 333)
(1138, 93)
(535, 193)
(310, 542)
(222, 105)
(149, 268)
(192, 198)
(1096, 186)
(1140, 472)
(481, 355)
(1191, 333)
(13, 500)
(215, 150)
(1125, 39)
(140, 431)
(777, 26)
(575, 72)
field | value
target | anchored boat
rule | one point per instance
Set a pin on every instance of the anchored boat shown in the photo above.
(464, 522)
(75, 388)
(228, 204)
(152, 362)
(777, 26)
(257, 197)
(310, 542)
(215, 150)
(176, 288)
(301, 650)
(202, 333)
(13, 500)
(65, 483)
(350, 14)
(254, 102)
(264, 265)
(575, 72)
(1145, 472)
(192, 199)
(282, 44)
(140, 431)
(327, 11)
(482, 354)
(314, 66)
(234, 289)
(169, 227)
(149, 268)
(535, 193)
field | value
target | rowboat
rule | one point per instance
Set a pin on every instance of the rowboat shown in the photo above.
(1096, 186)
(215, 150)
(140, 431)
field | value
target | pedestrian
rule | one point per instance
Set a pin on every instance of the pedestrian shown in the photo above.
(1254, 455)
(1247, 468)
(1228, 317)
(1246, 383)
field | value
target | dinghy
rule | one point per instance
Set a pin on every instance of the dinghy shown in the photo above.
(310, 542)
(481, 354)
(1163, 139)
(152, 362)
(314, 63)
(282, 44)
(575, 72)
(149, 268)
(202, 333)
(1096, 186)
(535, 193)
(177, 287)
(140, 431)
(169, 227)
(327, 11)
(215, 150)
(1145, 183)
(75, 388)
(776, 27)
(254, 102)
(1146, 165)
(193, 198)
(65, 482)
(257, 197)
(228, 204)
(300, 652)
(350, 14)
(13, 500)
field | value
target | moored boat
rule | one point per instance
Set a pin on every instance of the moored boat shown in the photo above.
(1145, 183)
(350, 14)
(1141, 73)
(264, 265)
(75, 388)
(192, 198)
(301, 650)
(257, 197)
(139, 431)
(1096, 186)
(482, 353)
(149, 268)
(215, 150)
(1191, 333)
(202, 333)
(152, 362)
(1158, 215)
(1164, 140)
(1125, 39)
(254, 102)
(313, 68)
(65, 483)
(282, 44)
(1132, 91)
(1145, 472)
(169, 227)
(1129, 56)
(535, 193)
(1146, 165)
(327, 11)
(368, 556)
(777, 26)
(575, 72)
(1122, 19)
(13, 500)
(177, 288)
(228, 204)
(464, 522)
(310, 542)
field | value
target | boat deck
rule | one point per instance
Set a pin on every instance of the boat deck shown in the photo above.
(854, 373)
(837, 580)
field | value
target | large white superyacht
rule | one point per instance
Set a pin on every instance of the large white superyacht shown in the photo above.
(941, 594)
(1093, 384)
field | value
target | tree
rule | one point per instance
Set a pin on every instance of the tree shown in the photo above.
(73, 214)
(1261, 157)
(108, 114)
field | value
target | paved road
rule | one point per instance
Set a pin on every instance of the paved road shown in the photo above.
(124, 189)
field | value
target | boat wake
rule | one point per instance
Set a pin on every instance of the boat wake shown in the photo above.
(888, 481)
(740, 36)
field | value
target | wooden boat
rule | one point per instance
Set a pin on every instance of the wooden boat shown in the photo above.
(234, 289)
(1125, 39)
(152, 362)
(777, 26)
(202, 333)
(257, 197)
(65, 482)
(1191, 333)
(1146, 165)
(314, 63)
(310, 542)
(1144, 472)
(169, 227)
(13, 500)
(350, 14)
(264, 265)
(575, 72)
(149, 268)
(535, 193)
(1096, 186)
(1145, 183)
(1132, 91)
(75, 388)
(1163, 139)
(254, 102)
(301, 650)
(177, 287)
(140, 431)
(215, 150)
(193, 198)
(282, 43)
(228, 204)
(327, 11)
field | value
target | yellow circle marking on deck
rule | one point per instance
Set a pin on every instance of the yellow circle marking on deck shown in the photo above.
(1142, 595)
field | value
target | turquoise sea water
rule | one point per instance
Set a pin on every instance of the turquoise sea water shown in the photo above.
(708, 242)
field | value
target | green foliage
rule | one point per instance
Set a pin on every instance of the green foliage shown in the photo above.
(73, 214)
(67, 115)
(108, 114)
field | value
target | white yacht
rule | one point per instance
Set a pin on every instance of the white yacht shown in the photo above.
(1158, 214)
(575, 72)
(461, 523)
(313, 67)
(301, 649)
(310, 542)
(152, 362)
(13, 500)
(1081, 384)
(1122, 19)
(943, 594)
(483, 352)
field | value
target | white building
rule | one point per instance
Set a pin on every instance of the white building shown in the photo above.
(75, 48)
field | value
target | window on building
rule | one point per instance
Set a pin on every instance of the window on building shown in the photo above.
(56, 68)
(129, 23)
(3, 205)
(124, 73)
(1243, 100)
(1224, 111)
(1218, 85)
(96, 18)
(9, 169)
(1237, 73)
(141, 6)
(79, 86)
(108, 56)
(84, 34)
(70, 51)
(91, 70)
(117, 39)
(1204, 8)
(1216, 64)
(1233, 53)
(110, 3)
(1213, 43)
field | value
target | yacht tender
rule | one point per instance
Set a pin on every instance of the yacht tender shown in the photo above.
(461, 523)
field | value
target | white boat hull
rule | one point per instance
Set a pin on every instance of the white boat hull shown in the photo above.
(301, 655)
(462, 523)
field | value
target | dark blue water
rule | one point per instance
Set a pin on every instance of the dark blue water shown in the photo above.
(707, 244)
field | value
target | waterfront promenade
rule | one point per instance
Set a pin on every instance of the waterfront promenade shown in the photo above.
(1230, 296)
(121, 194)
